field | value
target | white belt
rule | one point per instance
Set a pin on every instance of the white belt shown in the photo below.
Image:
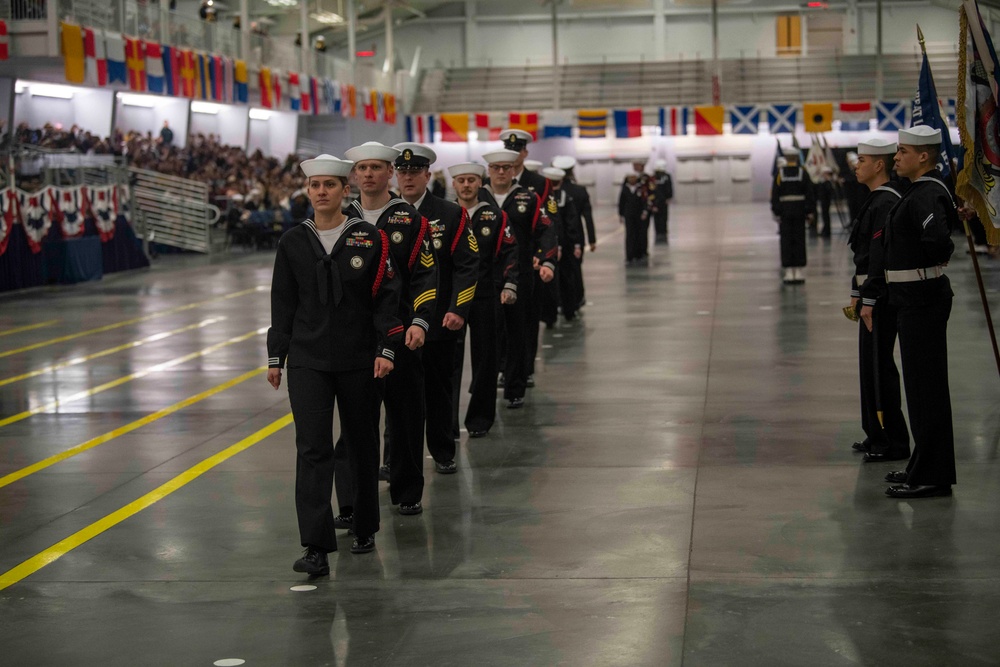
(792, 198)
(860, 278)
(914, 275)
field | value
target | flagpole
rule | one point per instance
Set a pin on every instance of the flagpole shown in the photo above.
(965, 223)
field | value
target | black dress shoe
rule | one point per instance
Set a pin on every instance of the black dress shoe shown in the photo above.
(383, 473)
(896, 477)
(918, 491)
(861, 446)
(313, 562)
(363, 545)
(446, 468)
(875, 457)
(343, 521)
(515, 403)
(478, 434)
(409, 509)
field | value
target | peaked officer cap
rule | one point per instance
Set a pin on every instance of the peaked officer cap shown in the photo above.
(564, 162)
(416, 155)
(515, 139)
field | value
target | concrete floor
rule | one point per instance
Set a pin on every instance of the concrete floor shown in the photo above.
(680, 488)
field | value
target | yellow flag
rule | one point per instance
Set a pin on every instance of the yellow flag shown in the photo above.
(72, 48)
(818, 116)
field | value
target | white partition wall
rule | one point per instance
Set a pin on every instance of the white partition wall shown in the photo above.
(273, 132)
(226, 121)
(147, 113)
(39, 103)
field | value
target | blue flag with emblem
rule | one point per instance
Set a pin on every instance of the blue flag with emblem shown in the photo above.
(927, 111)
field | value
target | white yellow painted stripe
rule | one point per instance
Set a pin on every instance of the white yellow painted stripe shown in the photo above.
(123, 323)
(111, 350)
(128, 428)
(128, 378)
(28, 327)
(63, 547)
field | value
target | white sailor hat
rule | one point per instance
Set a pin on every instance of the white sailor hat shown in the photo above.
(414, 155)
(502, 155)
(782, 162)
(532, 165)
(660, 165)
(920, 135)
(790, 151)
(553, 174)
(467, 169)
(371, 150)
(564, 162)
(876, 146)
(515, 139)
(326, 165)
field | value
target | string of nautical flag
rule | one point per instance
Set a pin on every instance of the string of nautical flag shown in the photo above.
(103, 58)
(812, 117)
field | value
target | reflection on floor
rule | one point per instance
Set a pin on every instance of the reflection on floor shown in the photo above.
(679, 489)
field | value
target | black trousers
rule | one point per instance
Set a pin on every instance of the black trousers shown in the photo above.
(403, 396)
(824, 208)
(532, 328)
(923, 348)
(312, 395)
(482, 335)
(793, 240)
(516, 335)
(548, 298)
(636, 238)
(660, 220)
(439, 366)
(570, 277)
(892, 438)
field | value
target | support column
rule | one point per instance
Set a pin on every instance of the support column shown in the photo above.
(659, 30)
(389, 66)
(352, 43)
(879, 72)
(470, 32)
(245, 29)
(852, 24)
(716, 65)
(556, 102)
(304, 54)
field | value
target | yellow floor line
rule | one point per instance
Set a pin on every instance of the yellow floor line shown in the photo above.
(111, 350)
(128, 378)
(123, 323)
(60, 549)
(28, 327)
(128, 428)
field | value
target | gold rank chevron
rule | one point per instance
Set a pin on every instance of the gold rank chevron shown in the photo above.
(427, 259)
(473, 243)
(465, 295)
(424, 298)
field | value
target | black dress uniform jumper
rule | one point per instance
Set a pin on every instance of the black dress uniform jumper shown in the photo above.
(792, 198)
(877, 346)
(663, 190)
(331, 314)
(917, 243)
(569, 232)
(582, 199)
(632, 206)
(498, 270)
(413, 258)
(457, 254)
(536, 238)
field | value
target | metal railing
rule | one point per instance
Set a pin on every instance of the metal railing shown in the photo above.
(176, 211)
(23, 10)
(661, 83)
